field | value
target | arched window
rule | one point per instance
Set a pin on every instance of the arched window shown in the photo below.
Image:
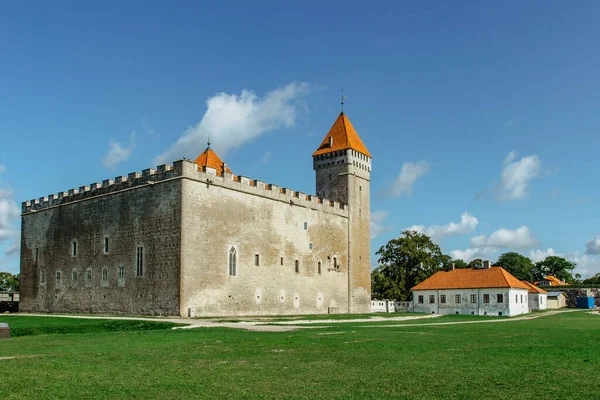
(104, 274)
(74, 275)
(232, 261)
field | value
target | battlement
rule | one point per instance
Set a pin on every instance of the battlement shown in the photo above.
(185, 169)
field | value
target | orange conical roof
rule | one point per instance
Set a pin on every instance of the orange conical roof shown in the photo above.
(344, 137)
(210, 159)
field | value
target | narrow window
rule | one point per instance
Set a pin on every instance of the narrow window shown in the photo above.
(104, 274)
(516, 298)
(297, 266)
(335, 263)
(257, 260)
(139, 270)
(420, 299)
(74, 275)
(319, 267)
(457, 298)
(443, 299)
(500, 298)
(232, 261)
(42, 277)
(121, 272)
(105, 245)
(521, 298)
(37, 254)
(473, 298)
(58, 276)
(310, 246)
(431, 299)
(486, 298)
(281, 260)
(73, 248)
(88, 275)
(305, 225)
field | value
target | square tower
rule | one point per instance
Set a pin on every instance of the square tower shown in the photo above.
(343, 173)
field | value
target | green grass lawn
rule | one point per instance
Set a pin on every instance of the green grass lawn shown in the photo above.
(553, 357)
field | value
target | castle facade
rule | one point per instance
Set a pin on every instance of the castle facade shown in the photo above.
(193, 239)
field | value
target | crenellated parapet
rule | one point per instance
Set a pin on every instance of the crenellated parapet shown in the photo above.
(185, 169)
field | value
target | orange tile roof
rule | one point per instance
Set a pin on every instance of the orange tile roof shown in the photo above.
(533, 288)
(554, 281)
(471, 278)
(210, 159)
(344, 137)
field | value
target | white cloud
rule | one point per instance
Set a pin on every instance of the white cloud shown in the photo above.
(378, 223)
(117, 153)
(517, 175)
(9, 210)
(409, 173)
(471, 254)
(266, 158)
(233, 120)
(593, 246)
(521, 238)
(12, 249)
(467, 224)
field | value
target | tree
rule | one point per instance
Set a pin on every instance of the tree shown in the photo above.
(595, 279)
(9, 282)
(558, 267)
(519, 266)
(405, 262)
(458, 263)
(476, 263)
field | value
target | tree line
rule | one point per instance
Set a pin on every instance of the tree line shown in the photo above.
(9, 282)
(413, 257)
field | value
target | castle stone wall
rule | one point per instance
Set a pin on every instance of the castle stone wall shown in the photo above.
(218, 216)
(148, 216)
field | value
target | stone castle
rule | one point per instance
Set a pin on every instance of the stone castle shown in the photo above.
(193, 239)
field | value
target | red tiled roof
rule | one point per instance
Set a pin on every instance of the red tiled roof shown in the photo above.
(471, 278)
(533, 288)
(210, 159)
(344, 137)
(554, 281)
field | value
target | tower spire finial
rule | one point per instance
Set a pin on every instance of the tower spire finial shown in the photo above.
(343, 98)
(208, 142)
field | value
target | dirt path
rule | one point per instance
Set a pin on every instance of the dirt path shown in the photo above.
(285, 326)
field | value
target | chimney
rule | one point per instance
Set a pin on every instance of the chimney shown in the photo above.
(330, 141)
(486, 264)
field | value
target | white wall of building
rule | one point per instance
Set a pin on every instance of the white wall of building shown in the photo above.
(472, 301)
(537, 301)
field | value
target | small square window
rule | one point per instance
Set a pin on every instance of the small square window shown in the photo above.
(486, 298)
(431, 299)
(457, 298)
(421, 299)
(443, 299)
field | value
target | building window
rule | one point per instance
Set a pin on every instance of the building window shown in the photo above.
(256, 260)
(42, 276)
(105, 245)
(139, 266)
(232, 261)
(310, 246)
(516, 298)
(319, 267)
(73, 248)
(104, 274)
(37, 254)
(486, 298)
(281, 261)
(58, 276)
(473, 298)
(88, 275)
(457, 298)
(305, 225)
(521, 298)
(335, 266)
(297, 266)
(420, 299)
(74, 275)
(431, 299)
(121, 272)
(500, 298)
(443, 299)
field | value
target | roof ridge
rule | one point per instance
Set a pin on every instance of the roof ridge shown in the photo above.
(502, 271)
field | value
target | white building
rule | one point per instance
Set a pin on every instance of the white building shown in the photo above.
(538, 298)
(480, 291)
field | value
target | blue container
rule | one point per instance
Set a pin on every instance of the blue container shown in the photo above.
(585, 302)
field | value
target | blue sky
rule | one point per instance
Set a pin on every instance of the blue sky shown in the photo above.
(480, 110)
